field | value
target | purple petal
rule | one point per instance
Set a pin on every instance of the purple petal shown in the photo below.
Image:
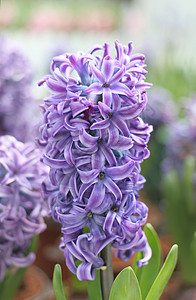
(85, 186)
(77, 108)
(85, 246)
(85, 271)
(109, 155)
(55, 86)
(67, 123)
(107, 50)
(128, 245)
(116, 102)
(23, 261)
(74, 250)
(88, 176)
(70, 261)
(120, 88)
(120, 172)
(97, 73)
(109, 220)
(101, 124)
(57, 127)
(97, 196)
(104, 109)
(58, 75)
(44, 79)
(22, 180)
(121, 125)
(94, 88)
(73, 185)
(54, 163)
(98, 160)
(113, 188)
(107, 96)
(147, 255)
(113, 135)
(117, 76)
(96, 230)
(124, 143)
(107, 68)
(133, 111)
(103, 243)
(68, 154)
(86, 139)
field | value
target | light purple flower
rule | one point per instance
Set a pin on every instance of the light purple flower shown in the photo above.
(161, 108)
(18, 111)
(22, 206)
(94, 143)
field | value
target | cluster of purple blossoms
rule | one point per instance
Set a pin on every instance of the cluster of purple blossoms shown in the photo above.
(94, 143)
(22, 206)
(160, 109)
(15, 92)
(181, 140)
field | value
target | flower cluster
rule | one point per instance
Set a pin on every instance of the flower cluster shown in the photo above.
(160, 108)
(15, 92)
(181, 140)
(22, 207)
(94, 143)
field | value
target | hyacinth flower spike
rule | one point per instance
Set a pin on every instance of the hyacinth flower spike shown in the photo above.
(94, 142)
(22, 208)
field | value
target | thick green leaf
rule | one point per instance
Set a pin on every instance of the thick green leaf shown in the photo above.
(126, 286)
(94, 287)
(153, 267)
(57, 283)
(164, 275)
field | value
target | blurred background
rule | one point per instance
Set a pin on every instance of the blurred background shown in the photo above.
(32, 32)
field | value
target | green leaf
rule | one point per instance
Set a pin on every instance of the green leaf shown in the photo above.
(164, 275)
(189, 169)
(14, 279)
(57, 283)
(178, 214)
(94, 287)
(126, 286)
(193, 248)
(11, 284)
(154, 264)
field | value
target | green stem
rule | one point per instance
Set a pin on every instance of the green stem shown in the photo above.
(107, 275)
(94, 287)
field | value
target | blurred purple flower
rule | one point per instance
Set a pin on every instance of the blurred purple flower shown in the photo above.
(181, 139)
(94, 143)
(22, 206)
(161, 108)
(17, 105)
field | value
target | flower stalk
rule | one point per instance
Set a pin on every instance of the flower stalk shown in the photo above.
(107, 275)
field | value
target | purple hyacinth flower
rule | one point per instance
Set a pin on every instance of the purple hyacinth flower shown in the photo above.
(22, 206)
(94, 141)
(18, 109)
(181, 139)
(161, 108)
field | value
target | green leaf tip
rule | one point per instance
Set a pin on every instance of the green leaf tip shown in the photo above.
(57, 283)
(126, 286)
(164, 275)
